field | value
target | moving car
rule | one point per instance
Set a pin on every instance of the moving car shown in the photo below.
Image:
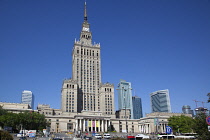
(107, 136)
(142, 136)
(98, 136)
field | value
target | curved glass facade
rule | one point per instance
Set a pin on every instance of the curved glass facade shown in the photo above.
(160, 101)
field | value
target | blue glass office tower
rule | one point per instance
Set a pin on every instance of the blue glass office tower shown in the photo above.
(160, 101)
(125, 96)
(137, 107)
(28, 98)
(186, 109)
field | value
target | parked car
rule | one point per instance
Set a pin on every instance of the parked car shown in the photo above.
(98, 136)
(19, 135)
(88, 138)
(107, 136)
(142, 136)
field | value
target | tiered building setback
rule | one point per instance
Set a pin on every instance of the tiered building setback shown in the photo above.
(85, 91)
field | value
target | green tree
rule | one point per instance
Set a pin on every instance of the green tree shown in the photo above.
(181, 124)
(32, 120)
(26, 120)
(9, 119)
(5, 135)
(201, 127)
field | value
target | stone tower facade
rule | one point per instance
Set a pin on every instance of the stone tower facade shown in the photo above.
(85, 91)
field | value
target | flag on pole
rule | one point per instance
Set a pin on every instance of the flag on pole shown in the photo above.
(89, 123)
(86, 123)
(97, 123)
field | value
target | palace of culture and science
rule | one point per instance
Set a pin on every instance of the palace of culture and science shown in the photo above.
(85, 92)
(87, 104)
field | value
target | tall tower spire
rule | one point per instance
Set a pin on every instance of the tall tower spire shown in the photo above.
(86, 36)
(85, 13)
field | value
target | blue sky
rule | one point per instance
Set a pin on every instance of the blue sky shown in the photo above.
(154, 44)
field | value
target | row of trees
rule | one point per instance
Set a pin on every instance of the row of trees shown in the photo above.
(184, 124)
(26, 120)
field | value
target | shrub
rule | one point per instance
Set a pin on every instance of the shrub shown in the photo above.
(4, 135)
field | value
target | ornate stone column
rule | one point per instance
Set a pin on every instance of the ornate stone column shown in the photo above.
(105, 124)
(76, 125)
(91, 125)
(102, 125)
(84, 125)
(95, 126)
(109, 123)
(80, 124)
(99, 128)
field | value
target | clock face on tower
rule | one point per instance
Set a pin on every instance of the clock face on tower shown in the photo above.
(85, 29)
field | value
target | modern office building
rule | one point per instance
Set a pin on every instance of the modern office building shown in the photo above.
(125, 96)
(186, 109)
(85, 90)
(160, 101)
(27, 98)
(137, 107)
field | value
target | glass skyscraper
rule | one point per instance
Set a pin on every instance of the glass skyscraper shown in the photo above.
(28, 98)
(186, 109)
(125, 96)
(160, 101)
(137, 107)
